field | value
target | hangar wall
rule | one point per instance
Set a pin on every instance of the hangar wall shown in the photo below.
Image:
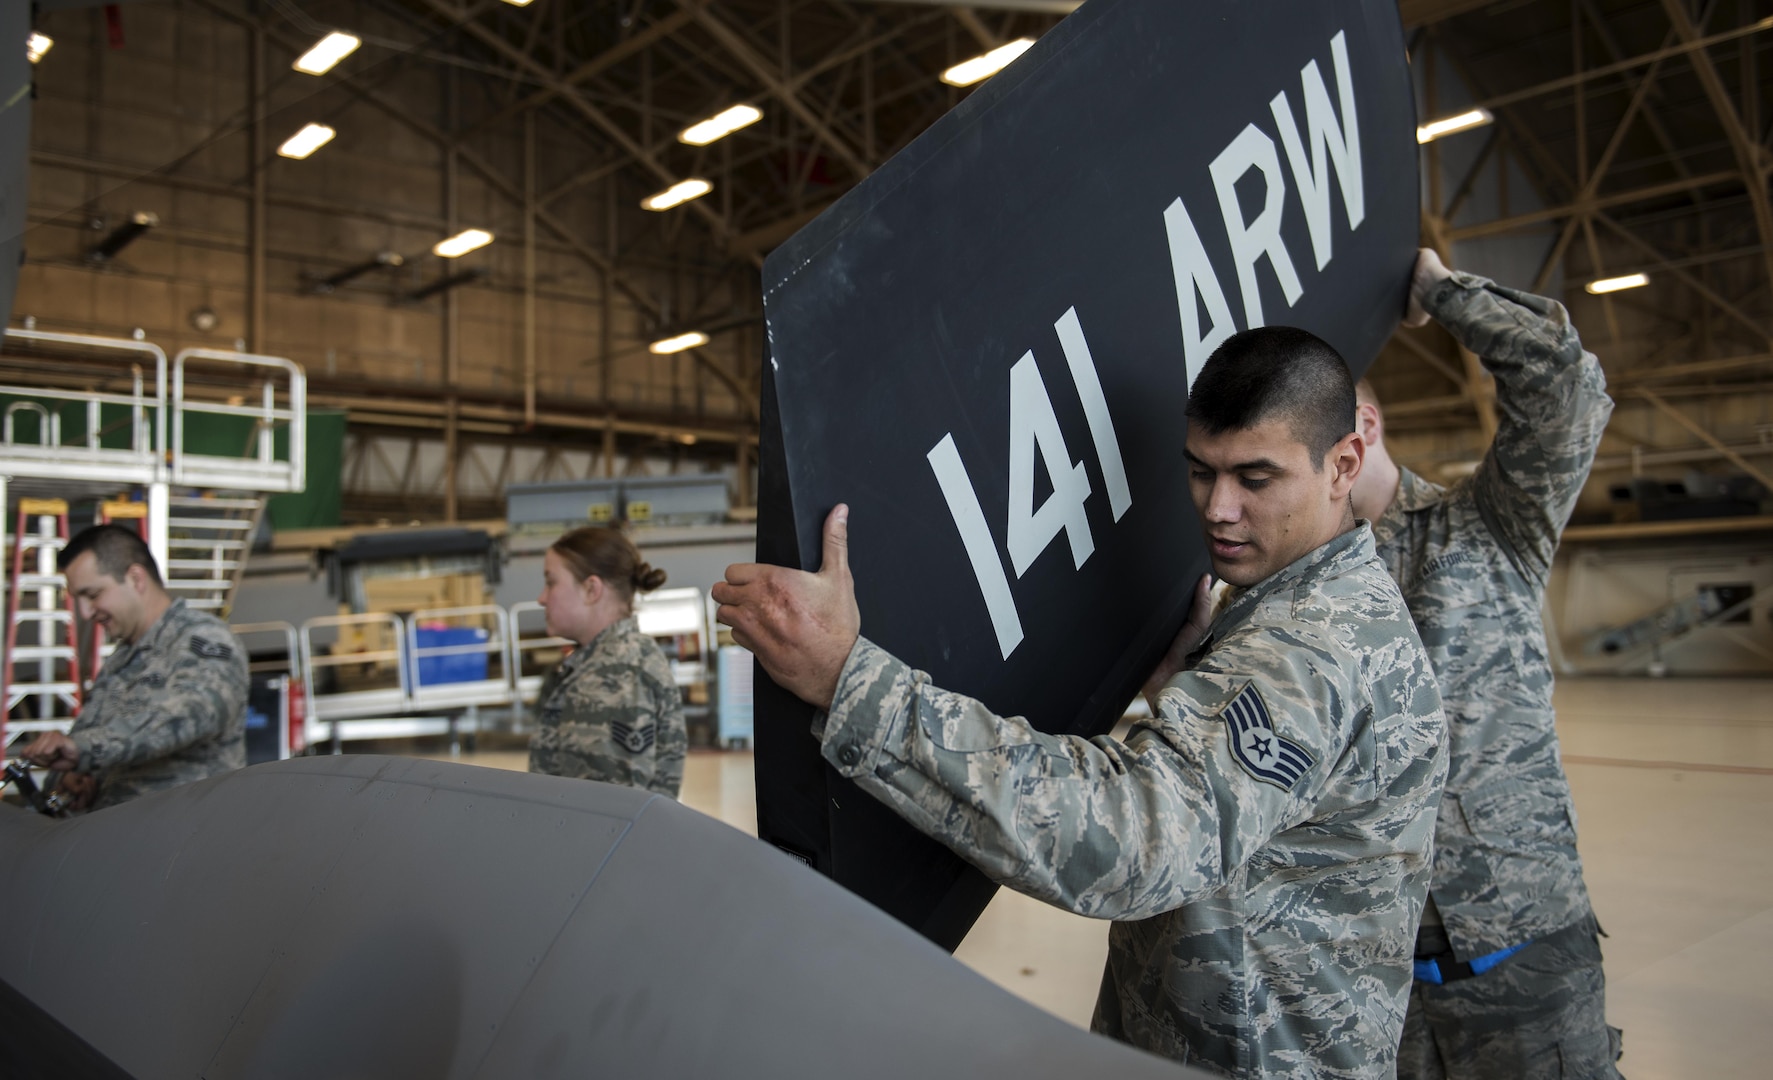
(164, 125)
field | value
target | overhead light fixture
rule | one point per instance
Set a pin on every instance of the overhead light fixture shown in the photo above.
(304, 142)
(463, 242)
(327, 52)
(38, 44)
(980, 68)
(329, 283)
(1615, 284)
(122, 236)
(446, 283)
(695, 339)
(518, 3)
(1449, 125)
(677, 194)
(721, 125)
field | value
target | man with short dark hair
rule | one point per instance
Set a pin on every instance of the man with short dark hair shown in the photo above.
(169, 705)
(1262, 842)
(1509, 980)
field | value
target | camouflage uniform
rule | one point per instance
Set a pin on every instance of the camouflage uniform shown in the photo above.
(1265, 836)
(167, 710)
(1472, 561)
(611, 711)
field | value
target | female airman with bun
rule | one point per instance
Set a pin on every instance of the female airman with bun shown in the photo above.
(611, 710)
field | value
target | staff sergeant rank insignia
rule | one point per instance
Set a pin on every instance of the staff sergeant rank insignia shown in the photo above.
(1258, 747)
(211, 650)
(634, 740)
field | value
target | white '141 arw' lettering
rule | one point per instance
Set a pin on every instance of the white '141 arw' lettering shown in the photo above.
(1327, 142)
(1030, 530)
(1034, 426)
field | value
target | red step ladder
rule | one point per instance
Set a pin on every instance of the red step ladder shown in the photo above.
(45, 670)
(125, 510)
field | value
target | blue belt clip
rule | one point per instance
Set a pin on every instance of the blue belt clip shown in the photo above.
(1443, 969)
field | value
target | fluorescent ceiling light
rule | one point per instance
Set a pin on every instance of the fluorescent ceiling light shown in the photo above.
(695, 339)
(1448, 125)
(463, 242)
(677, 194)
(720, 126)
(980, 68)
(327, 52)
(1614, 284)
(38, 44)
(518, 3)
(306, 141)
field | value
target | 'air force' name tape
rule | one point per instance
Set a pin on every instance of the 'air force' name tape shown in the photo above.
(1258, 747)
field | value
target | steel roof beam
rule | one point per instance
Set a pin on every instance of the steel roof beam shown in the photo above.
(568, 93)
(1751, 156)
(760, 69)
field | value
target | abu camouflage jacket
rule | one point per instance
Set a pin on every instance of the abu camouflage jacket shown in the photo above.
(1473, 560)
(167, 710)
(1262, 841)
(612, 712)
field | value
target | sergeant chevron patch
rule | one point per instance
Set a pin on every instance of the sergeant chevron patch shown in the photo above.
(1258, 747)
(211, 650)
(634, 740)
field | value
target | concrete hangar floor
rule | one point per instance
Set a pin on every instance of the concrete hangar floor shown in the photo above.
(1674, 791)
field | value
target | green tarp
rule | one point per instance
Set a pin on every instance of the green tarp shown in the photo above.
(222, 436)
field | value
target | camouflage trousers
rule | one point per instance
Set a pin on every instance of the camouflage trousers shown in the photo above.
(1538, 1015)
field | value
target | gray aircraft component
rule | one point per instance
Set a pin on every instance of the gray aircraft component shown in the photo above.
(368, 916)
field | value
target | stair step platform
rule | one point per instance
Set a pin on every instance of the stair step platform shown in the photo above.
(207, 523)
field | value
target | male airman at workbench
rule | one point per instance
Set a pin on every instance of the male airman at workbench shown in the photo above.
(169, 705)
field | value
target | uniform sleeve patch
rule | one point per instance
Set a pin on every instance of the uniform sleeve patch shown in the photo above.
(1258, 747)
(635, 740)
(211, 650)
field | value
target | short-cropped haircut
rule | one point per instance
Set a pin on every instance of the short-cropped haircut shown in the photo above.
(1276, 372)
(114, 548)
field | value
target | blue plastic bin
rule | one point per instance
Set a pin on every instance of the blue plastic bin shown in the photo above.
(451, 667)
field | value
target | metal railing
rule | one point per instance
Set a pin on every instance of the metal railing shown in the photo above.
(410, 676)
(139, 462)
(373, 664)
(444, 675)
(147, 456)
(291, 644)
(263, 470)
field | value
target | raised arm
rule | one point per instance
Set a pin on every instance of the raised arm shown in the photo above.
(1551, 408)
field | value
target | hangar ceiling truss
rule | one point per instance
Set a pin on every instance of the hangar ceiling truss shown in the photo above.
(1640, 125)
(1640, 129)
(1630, 135)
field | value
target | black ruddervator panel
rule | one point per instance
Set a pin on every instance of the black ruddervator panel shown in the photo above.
(15, 145)
(1020, 296)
